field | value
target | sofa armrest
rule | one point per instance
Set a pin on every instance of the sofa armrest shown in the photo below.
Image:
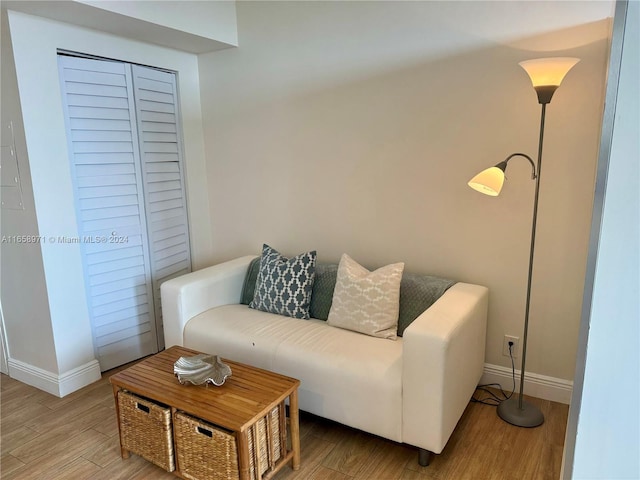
(443, 360)
(189, 295)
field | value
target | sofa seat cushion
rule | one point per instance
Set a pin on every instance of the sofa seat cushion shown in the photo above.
(345, 376)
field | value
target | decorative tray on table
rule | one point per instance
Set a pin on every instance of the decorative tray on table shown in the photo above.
(201, 369)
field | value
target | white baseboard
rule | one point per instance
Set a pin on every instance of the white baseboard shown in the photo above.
(58, 385)
(535, 385)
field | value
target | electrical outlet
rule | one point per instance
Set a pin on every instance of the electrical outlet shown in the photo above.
(505, 345)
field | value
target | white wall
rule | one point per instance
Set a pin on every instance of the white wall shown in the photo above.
(4, 367)
(354, 127)
(21, 270)
(187, 25)
(35, 42)
(215, 20)
(607, 409)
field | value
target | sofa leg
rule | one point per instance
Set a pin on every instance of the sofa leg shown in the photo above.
(424, 456)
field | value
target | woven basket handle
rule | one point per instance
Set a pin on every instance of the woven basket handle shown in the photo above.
(206, 432)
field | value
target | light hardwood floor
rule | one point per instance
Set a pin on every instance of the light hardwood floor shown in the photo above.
(76, 437)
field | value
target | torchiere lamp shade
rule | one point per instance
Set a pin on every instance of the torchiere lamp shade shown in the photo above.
(547, 72)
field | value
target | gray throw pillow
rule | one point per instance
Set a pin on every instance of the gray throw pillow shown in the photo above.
(284, 285)
(249, 286)
(323, 287)
(417, 294)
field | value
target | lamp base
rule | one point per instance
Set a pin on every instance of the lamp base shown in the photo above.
(527, 416)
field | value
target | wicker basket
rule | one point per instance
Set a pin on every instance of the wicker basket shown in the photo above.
(207, 452)
(145, 429)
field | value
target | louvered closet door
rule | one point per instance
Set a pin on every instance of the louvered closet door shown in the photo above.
(163, 178)
(102, 136)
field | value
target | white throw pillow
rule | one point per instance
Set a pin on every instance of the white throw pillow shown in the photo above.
(367, 302)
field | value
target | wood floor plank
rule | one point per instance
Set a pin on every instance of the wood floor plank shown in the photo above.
(104, 453)
(323, 473)
(10, 464)
(313, 450)
(70, 420)
(109, 425)
(152, 472)
(330, 431)
(51, 454)
(121, 469)
(350, 453)
(18, 417)
(85, 394)
(17, 398)
(387, 461)
(408, 474)
(55, 445)
(12, 440)
(78, 469)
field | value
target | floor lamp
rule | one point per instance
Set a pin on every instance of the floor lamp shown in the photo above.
(546, 75)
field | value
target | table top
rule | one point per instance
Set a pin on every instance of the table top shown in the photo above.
(247, 395)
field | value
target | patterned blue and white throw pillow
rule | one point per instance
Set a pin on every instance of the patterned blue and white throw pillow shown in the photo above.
(284, 284)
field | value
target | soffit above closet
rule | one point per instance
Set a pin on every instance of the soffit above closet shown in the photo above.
(174, 24)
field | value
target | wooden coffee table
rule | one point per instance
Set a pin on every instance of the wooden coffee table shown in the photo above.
(247, 396)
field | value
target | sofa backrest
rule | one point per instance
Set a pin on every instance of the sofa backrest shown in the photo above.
(417, 292)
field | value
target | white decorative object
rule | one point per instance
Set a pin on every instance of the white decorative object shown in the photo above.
(201, 369)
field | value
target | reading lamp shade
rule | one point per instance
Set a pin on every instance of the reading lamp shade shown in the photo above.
(547, 72)
(488, 181)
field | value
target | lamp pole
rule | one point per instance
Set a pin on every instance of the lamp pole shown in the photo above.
(533, 244)
(526, 414)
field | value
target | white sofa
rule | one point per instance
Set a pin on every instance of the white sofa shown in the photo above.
(411, 390)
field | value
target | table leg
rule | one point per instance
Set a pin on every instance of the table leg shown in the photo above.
(243, 455)
(124, 453)
(295, 429)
